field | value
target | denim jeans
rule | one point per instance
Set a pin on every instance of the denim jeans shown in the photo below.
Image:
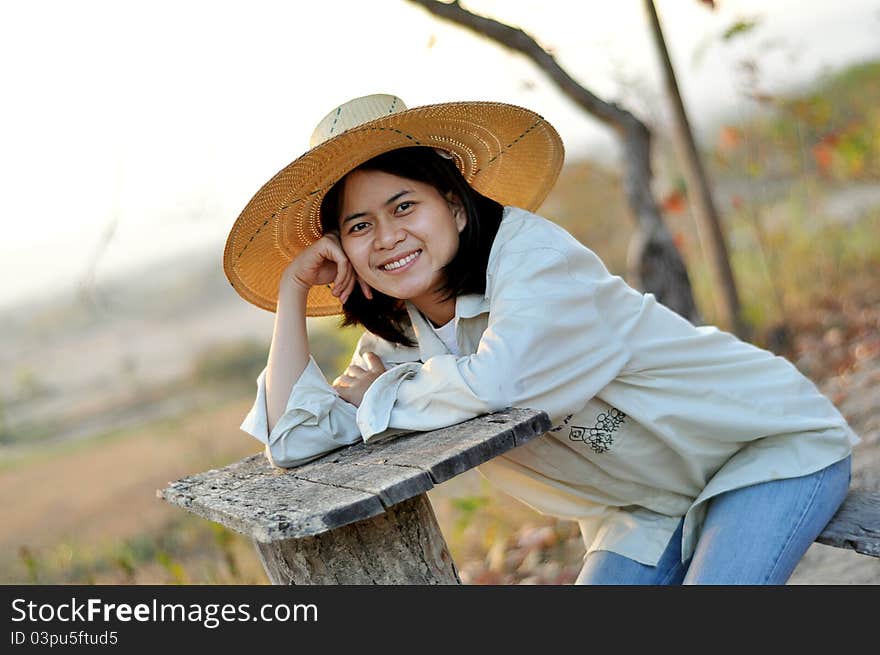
(751, 536)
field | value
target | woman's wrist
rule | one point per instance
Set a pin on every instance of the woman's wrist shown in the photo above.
(289, 283)
(291, 290)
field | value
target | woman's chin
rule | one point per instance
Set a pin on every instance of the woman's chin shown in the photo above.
(401, 288)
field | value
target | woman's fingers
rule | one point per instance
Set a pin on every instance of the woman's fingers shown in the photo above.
(342, 271)
(354, 372)
(346, 277)
(340, 287)
(322, 263)
(348, 285)
(368, 292)
(374, 363)
(354, 382)
(344, 381)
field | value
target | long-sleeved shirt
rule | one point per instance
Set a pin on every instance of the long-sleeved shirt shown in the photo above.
(651, 415)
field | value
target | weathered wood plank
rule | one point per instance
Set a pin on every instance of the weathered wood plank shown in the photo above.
(350, 484)
(856, 524)
(254, 498)
(390, 484)
(402, 546)
(450, 451)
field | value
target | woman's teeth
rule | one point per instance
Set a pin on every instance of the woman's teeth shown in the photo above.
(401, 262)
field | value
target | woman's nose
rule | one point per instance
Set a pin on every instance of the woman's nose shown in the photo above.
(388, 234)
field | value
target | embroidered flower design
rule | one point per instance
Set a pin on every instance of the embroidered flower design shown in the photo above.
(561, 425)
(601, 435)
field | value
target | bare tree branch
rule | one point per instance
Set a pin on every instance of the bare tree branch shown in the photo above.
(88, 286)
(654, 264)
(709, 228)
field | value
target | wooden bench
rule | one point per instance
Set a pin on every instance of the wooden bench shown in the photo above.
(360, 515)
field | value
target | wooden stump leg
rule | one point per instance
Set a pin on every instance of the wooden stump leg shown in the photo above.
(402, 546)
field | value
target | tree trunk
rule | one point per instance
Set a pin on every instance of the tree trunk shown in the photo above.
(709, 229)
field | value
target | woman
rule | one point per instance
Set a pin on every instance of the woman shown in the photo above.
(686, 455)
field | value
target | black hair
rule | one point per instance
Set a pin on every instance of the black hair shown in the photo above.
(384, 315)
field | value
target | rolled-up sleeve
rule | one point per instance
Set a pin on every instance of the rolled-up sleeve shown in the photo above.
(548, 345)
(316, 420)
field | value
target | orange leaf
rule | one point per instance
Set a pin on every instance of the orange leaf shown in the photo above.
(674, 202)
(729, 137)
(822, 153)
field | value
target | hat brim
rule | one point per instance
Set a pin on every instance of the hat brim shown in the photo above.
(505, 152)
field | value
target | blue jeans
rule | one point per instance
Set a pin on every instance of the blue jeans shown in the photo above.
(751, 536)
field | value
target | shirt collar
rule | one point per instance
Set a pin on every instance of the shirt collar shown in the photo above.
(470, 305)
(430, 345)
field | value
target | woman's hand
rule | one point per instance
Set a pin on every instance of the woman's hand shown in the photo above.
(354, 382)
(324, 262)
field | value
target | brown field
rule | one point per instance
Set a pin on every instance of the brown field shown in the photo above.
(102, 492)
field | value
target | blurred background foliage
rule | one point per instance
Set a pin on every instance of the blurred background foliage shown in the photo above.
(798, 186)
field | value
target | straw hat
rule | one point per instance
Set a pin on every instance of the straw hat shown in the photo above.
(507, 153)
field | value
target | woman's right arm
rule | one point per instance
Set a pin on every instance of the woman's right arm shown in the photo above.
(288, 352)
(321, 263)
(297, 414)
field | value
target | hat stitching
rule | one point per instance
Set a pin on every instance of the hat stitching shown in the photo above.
(388, 129)
(511, 144)
(253, 236)
(275, 214)
(333, 127)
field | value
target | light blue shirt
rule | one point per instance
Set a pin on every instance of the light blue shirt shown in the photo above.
(651, 415)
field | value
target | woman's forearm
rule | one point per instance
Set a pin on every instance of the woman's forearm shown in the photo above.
(289, 351)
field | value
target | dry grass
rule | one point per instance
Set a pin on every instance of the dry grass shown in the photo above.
(82, 503)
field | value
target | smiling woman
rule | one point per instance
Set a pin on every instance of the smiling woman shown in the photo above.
(402, 240)
(676, 448)
(404, 225)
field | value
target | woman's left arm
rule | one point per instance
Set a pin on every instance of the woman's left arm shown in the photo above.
(553, 340)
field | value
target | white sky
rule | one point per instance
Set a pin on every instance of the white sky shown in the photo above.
(166, 116)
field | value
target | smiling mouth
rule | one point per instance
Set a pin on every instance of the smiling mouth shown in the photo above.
(403, 262)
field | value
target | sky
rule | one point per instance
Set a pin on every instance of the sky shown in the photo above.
(135, 131)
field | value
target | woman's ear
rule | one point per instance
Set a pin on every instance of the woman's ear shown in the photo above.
(457, 209)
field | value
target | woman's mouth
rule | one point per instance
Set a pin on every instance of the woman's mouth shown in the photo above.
(400, 265)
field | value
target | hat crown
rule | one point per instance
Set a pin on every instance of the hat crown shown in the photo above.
(353, 113)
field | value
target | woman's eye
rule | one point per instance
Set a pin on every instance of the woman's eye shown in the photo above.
(402, 207)
(357, 227)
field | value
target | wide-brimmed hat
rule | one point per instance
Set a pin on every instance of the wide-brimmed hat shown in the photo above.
(505, 152)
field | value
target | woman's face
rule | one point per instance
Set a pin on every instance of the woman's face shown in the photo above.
(399, 234)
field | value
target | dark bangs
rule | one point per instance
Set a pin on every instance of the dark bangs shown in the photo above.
(385, 316)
